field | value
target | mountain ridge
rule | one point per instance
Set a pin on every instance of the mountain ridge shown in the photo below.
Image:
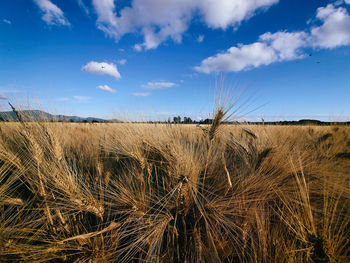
(39, 115)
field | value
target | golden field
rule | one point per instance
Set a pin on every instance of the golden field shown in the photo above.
(74, 192)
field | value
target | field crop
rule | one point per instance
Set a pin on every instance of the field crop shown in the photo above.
(124, 192)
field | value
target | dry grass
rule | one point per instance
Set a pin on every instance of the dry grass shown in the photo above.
(174, 193)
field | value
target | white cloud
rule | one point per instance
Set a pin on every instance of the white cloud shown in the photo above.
(191, 75)
(283, 46)
(159, 20)
(158, 85)
(335, 30)
(338, 2)
(138, 47)
(239, 58)
(52, 14)
(347, 2)
(270, 48)
(225, 13)
(83, 6)
(286, 45)
(7, 21)
(122, 61)
(3, 97)
(102, 68)
(200, 38)
(106, 88)
(141, 94)
(82, 99)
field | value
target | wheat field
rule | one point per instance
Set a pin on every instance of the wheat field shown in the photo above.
(73, 192)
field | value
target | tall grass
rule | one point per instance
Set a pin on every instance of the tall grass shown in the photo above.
(173, 193)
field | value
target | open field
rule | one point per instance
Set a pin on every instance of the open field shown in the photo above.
(185, 131)
(174, 193)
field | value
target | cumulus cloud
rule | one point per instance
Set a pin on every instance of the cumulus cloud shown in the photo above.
(3, 97)
(106, 88)
(159, 20)
(347, 2)
(158, 85)
(284, 46)
(102, 68)
(225, 13)
(335, 30)
(52, 14)
(138, 47)
(141, 94)
(239, 58)
(7, 21)
(270, 48)
(122, 61)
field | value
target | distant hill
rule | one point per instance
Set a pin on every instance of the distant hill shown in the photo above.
(38, 115)
(302, 122)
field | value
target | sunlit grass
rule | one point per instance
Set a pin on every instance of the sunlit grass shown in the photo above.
(174, 193)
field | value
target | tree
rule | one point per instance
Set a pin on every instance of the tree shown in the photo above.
(206, 121)
(177, 119)
(188, 120)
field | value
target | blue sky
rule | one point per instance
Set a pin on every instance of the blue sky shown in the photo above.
(160, 58)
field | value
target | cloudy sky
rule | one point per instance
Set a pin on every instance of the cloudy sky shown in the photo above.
(159, 58)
